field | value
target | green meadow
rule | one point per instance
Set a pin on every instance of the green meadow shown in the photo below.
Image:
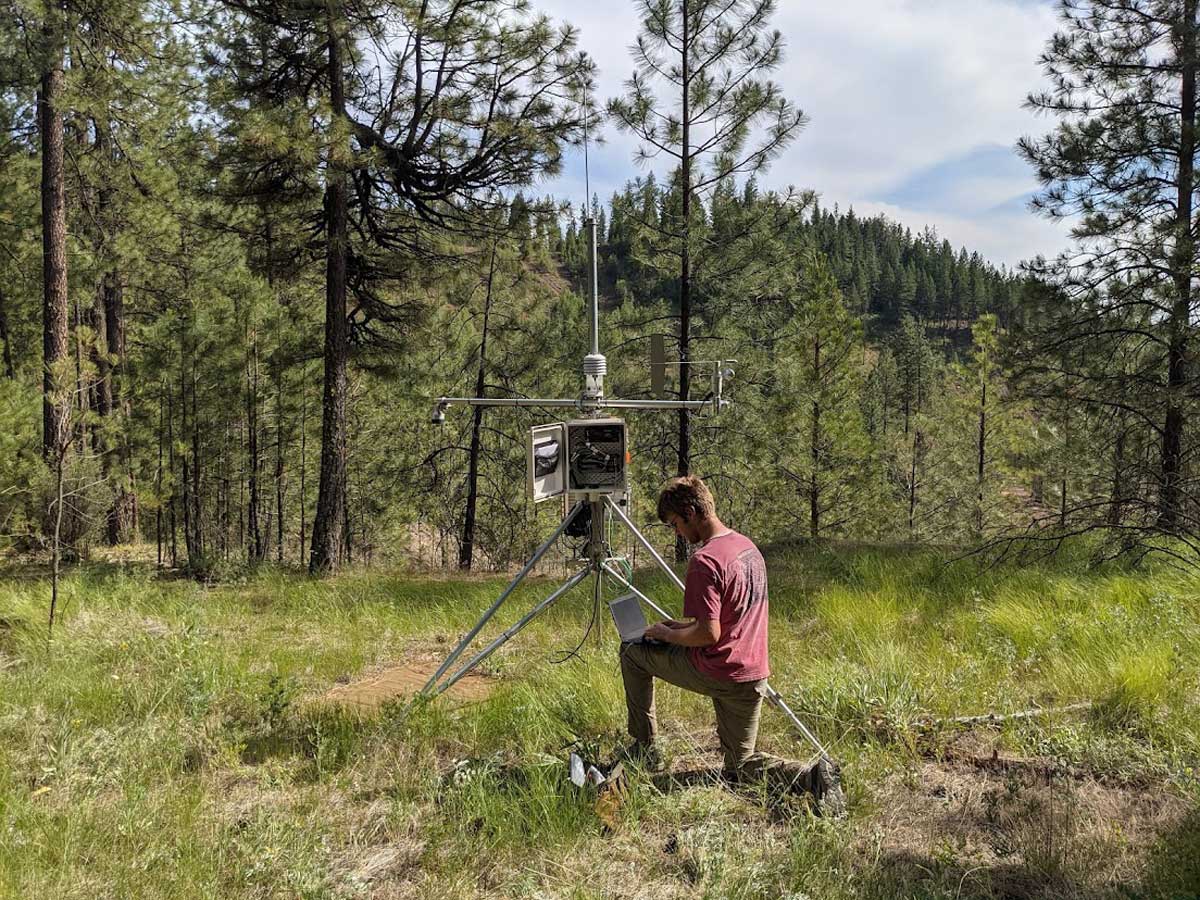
(175, 740)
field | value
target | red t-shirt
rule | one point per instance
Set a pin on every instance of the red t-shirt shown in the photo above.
(727, 581)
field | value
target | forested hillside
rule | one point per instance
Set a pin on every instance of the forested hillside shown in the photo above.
(255, 242)
(883, 270)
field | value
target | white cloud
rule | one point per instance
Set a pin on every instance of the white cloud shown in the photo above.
(894, 88)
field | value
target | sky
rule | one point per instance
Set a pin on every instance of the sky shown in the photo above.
(914, 105)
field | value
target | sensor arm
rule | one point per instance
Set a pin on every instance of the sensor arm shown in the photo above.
(715, 403)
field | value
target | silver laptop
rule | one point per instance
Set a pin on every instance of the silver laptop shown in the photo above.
(630, 620)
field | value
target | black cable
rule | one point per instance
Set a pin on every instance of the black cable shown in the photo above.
(565, 655)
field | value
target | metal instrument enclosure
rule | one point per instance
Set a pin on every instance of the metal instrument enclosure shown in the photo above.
(583, 456)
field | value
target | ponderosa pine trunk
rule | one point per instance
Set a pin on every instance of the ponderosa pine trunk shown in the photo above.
(158, 485)
(814, 488)
(279, 384)
(684, 466)
(185, 480)
(1183, 266)
(279, 465)
(54, 234)
(123, 517)
(303, 459)
(329, 521)
(82, 389)
(5, 338)
(1116, 499)
(197, 467)
(112, 398)
(981, 447)
(172, 503)
(258, 547)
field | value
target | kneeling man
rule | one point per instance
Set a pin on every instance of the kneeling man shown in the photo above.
(722, 652)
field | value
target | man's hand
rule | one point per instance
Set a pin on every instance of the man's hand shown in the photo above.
(702, 633)
(661, 631)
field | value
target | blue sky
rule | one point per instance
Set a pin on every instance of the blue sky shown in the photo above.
(915, 106)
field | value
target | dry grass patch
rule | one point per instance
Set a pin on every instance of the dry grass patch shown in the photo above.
(1016, 830)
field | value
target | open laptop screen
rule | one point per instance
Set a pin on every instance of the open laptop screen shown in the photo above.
(628, 616)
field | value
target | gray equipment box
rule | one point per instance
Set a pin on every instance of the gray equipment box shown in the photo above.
(581, 456)
(597, 461)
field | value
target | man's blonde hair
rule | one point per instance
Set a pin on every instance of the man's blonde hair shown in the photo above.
(684, 496)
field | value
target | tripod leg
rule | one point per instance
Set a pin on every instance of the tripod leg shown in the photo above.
(525, 620)
(538, 554)
(615, 573)
(662, 563)
(779, 703)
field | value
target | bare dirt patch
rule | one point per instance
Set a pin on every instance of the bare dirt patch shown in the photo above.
(402, 681)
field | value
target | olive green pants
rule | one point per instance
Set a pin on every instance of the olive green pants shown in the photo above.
(737, 703)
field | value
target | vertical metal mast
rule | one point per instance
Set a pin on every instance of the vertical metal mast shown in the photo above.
(595, 366)
(593, 284)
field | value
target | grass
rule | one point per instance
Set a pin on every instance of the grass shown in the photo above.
(169, 743)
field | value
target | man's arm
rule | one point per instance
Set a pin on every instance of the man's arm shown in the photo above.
(701, 633)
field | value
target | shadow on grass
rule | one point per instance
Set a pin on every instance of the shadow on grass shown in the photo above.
(325, 739)
(1174, 869)
(1173, 873)
(911, 874)
(782, 800)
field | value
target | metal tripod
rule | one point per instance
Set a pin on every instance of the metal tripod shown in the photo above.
(600, 562)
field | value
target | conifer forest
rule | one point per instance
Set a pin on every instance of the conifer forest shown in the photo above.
(257, 238)
(255, 257)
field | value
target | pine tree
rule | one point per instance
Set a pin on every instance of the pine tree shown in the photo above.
(1123, 160)
(819, 391)
(710, 56)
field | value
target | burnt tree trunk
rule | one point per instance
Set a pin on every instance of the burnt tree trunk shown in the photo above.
(6, 339)
(467, 545)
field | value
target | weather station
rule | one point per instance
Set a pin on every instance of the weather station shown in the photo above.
(586, 460)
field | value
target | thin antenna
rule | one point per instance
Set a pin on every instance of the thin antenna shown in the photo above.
(587, 182)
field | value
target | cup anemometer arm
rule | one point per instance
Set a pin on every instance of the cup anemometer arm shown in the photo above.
(714, 402)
